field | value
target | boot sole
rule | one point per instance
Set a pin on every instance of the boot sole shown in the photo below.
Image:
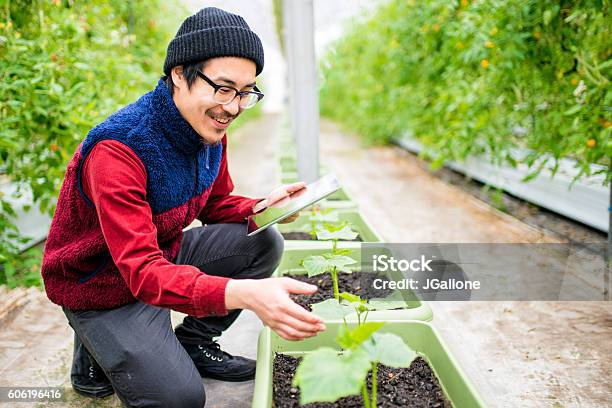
(94, 392)
(221, 377)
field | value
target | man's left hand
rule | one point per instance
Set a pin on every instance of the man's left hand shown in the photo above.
(278, 196)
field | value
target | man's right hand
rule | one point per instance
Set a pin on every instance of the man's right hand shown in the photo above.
(269, 299)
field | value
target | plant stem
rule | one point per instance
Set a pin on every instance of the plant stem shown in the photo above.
(374, 383)
(334, 244)
(365, 396)
(313, 225)
(334, 275)
(41, 17)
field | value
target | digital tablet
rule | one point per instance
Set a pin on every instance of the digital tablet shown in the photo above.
(295, 202)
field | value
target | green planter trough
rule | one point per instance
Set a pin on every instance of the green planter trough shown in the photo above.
(420, 336)
(405, 304)
(358, 223)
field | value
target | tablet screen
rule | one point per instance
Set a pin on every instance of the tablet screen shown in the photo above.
(297, 201)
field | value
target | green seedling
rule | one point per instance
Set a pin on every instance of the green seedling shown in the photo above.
(334, 261)
(318, 217)
(329, 262)
(327, 375)
(361, 306)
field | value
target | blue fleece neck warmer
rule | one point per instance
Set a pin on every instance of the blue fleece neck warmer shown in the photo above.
(179, 165)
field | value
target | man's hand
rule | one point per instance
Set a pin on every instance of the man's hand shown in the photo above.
(278, 196)
(269, 299)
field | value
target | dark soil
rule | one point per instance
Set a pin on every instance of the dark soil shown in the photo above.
(307, 237)
(415, 386)
(356, 283)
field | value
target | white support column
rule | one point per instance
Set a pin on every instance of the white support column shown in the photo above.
(298, 27)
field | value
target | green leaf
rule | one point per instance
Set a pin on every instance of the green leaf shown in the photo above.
(530, 176)
(5, 143)
(350, 297)
(318, 264)
(324, 216)
(388, 349)
(340, 262)
(345, 233)
(315, 265)
(355, 302)
(331, 309)
(574, 109)
(604, 65)
(351, 339)
(326, 376)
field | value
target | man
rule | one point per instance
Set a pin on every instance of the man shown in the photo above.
(116, 258)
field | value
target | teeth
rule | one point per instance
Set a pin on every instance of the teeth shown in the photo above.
(222, 120)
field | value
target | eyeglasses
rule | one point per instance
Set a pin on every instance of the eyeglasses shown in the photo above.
(226, 94)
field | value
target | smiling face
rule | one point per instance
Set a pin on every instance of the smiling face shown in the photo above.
(207, 117)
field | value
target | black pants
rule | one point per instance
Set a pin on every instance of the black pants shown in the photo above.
(135, 344)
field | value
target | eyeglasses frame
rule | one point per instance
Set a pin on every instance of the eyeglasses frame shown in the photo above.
(216, 87)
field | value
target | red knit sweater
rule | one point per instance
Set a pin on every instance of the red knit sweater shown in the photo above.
(115, 180)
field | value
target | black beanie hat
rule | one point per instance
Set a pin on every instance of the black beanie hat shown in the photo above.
(213, 32)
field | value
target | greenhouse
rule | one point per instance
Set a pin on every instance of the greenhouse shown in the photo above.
(412, 209)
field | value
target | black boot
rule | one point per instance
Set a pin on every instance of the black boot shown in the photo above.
(212, 362)
(87, 376)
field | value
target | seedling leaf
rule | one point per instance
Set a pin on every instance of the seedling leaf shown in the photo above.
(350, 297)
(315, 265)
(331, 309)
(351, 339)
(325, 376)
(331, 233)
(340, 262)
(388, 349)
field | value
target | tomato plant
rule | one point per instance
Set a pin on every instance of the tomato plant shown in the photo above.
(65, 66)
(479, 77)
